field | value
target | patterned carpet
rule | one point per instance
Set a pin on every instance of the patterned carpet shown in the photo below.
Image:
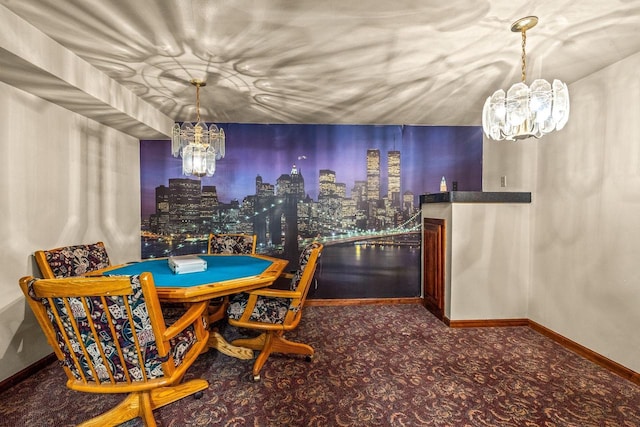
(389, 365)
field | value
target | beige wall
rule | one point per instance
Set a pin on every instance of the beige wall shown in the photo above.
(65, 180)
(585, 281)
(582, 279)
(487, 266)
(586, 243)
(490, 261)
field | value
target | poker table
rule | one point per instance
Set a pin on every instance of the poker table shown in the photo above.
(225, 275)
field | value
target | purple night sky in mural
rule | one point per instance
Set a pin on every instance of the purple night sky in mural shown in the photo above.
(427, 153)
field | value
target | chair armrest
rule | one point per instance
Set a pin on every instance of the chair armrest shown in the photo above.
(194, 312)
(276, 293)
(282, 282)
(100, 272)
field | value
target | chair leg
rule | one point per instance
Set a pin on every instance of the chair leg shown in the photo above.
(142, 404)
(128, 409)
(283, 345)
(263, 356)
(146, 410)
(165, 395)
(272, 342)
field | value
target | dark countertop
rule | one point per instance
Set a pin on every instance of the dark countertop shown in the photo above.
(476, 197)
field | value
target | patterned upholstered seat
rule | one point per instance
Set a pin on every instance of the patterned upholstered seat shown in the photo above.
(275, 311)
(110, 337)
(69, 261)
(232, 244)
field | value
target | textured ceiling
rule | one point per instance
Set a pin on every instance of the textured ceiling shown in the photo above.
(319, 61)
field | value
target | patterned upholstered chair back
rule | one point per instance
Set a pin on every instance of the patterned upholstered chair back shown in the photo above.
(304, 259)
(109, 333)
(69, 261)
(232, 244)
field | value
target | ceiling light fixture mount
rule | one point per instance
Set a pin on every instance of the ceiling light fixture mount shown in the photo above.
(200, 146)
(526, 111)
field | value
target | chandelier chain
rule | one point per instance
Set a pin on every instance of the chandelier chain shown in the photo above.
(524, 56)
(197, 103)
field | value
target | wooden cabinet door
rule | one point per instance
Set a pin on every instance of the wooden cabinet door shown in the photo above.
(434, 238)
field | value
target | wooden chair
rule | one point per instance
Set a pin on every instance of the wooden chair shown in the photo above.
(227, 244)
(275, 311)
(69, 261)
(116, 341)
(232, 244)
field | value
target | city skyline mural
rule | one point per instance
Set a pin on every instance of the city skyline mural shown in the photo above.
(354, 187)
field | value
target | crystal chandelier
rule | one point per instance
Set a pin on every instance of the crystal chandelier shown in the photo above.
(200, 146)
(526, 111)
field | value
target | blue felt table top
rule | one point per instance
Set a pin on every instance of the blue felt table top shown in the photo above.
(219, 269)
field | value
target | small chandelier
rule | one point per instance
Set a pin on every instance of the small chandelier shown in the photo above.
(526, 111)
(200, 146)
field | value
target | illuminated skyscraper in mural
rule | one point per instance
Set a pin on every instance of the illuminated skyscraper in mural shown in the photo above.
(327, 182)
(264, 189)
(208, 202)
(359, 193)
(373, 175)
(209, 196)
(407, 201)
(393, 174)
(184, 204)
(291, 185)
(159, 221)
(297, 182)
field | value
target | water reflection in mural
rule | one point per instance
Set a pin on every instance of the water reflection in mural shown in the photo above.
(355, 188)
